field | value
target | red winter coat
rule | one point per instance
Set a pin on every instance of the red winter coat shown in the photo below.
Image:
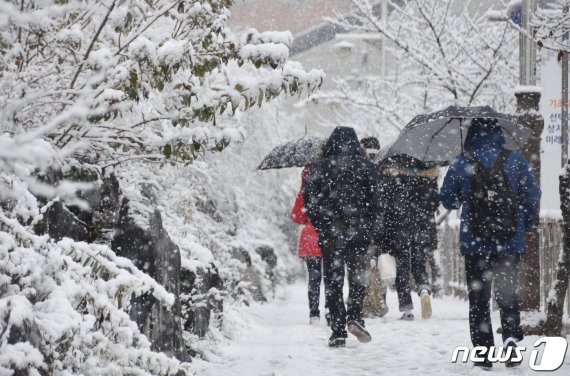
(309, 241)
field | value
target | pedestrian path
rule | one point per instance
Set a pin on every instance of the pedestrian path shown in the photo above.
(278, 341)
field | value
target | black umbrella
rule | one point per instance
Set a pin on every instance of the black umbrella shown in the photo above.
(439, 136)
(295, 153)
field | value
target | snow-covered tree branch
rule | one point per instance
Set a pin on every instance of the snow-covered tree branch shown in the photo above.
(114, 79)
(439, 52)
(551, 26)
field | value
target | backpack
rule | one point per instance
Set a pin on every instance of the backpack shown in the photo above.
(346, 196)
(492, 201)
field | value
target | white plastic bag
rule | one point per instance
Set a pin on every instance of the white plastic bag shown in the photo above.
(387, 266)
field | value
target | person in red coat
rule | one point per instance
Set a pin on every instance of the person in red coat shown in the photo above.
(309, 250)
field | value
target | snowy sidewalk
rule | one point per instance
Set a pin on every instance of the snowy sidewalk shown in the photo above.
(279, 341)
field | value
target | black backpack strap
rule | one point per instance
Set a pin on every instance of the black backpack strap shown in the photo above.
(501, 160)
(471, 158)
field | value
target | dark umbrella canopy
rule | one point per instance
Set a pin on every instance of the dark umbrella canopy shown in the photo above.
(295, 153)
(439, 136)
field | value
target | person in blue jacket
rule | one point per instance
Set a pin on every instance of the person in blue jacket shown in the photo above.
(342, 199)
(488, 261)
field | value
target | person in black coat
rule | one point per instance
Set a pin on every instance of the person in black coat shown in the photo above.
(342, 200)
(410, 194)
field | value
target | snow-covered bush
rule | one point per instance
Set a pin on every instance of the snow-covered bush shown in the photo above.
(61, 308)
(124, 86)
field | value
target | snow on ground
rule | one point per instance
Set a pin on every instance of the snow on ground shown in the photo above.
(278, 341)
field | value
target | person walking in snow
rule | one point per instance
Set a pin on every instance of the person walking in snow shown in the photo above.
(408, 227)
(500, 198)
(374, 304)
(342, 201)
(310, 251)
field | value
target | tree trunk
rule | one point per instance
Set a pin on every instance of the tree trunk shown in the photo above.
(555, 301)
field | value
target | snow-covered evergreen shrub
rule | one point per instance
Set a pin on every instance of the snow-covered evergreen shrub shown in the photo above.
(62, 307)
(102, 85)
(128, 79)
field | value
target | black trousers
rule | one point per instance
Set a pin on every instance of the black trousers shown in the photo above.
(314, 269)
(412, 259)
(335, 256)
(481, 272)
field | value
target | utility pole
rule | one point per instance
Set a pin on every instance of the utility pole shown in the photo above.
(528, 100)
(564, 118)
(527, 54)
(523, 46)
(384, 21)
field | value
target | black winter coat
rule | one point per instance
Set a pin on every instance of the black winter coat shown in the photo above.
(410, 199)
(342, 193)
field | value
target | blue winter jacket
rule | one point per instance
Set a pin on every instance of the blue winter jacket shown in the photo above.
(485, 142)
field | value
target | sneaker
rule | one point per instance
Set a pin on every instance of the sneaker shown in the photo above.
(314, 320)
(484, 365)
(358, 330)
(337, 340)
(426, 304)
(407, 316)
(511, 362)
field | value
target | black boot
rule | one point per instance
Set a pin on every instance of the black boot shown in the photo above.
(337, 340)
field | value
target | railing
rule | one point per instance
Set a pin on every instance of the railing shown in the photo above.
(452, 265)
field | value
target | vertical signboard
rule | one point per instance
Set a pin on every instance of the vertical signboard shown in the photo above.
(551, 107)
